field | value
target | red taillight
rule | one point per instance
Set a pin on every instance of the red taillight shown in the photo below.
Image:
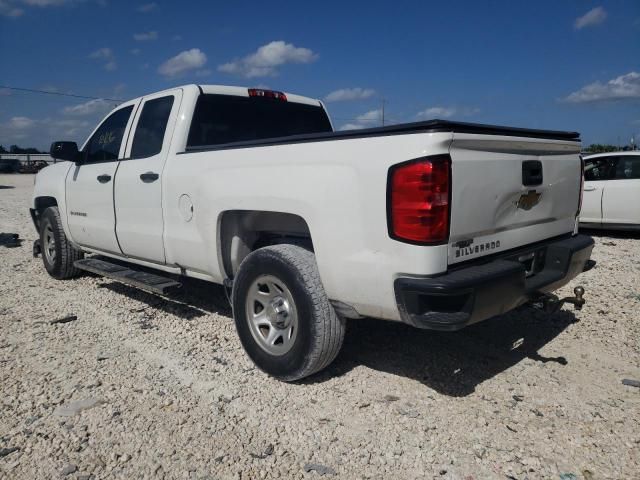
(418, 200)
(581, 185)
(258, 92)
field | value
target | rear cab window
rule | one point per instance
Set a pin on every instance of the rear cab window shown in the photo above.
(220, 119)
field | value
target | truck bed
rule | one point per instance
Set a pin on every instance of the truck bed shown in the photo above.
(429, 126)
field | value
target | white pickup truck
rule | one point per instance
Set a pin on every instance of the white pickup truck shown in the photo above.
(436, 224)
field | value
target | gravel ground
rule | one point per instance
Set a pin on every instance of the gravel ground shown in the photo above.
(140, 386)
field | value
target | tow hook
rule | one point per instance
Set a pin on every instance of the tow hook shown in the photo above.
(551, 303)
(37, 250)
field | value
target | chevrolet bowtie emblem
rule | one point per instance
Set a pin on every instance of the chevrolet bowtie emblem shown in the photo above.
(528, 200)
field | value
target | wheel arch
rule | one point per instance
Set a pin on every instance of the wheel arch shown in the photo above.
(240, 232)
(40, 204)
(43, 202)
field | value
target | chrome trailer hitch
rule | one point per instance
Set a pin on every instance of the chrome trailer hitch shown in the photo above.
(550, 303)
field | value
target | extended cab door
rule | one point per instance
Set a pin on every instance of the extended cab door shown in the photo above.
(597, 172)
(89, 186)
(621, 196)
(138, 184)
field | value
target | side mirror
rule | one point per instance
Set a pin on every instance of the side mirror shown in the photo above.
(65, 151)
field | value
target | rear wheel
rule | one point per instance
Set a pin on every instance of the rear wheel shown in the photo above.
(283, 317)
(58, 255)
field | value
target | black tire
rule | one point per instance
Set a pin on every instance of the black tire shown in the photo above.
(60, 265)
(320, 331)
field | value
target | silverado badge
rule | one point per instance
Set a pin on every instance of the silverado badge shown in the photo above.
(528, 200)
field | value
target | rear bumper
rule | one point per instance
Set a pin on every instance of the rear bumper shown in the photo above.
(480, 291)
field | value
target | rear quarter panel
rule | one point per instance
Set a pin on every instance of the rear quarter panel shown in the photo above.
(337, 187)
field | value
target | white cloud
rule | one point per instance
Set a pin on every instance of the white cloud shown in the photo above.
(16, 130)
(264, 61)
(593, 17)
(146, 36)
(135, 51)
(105, 54)
(147, 7)
(370, 116)
(20, 123)
(46, 3)
(183, 62)
(40, 133)
(352, 126)
(347, 94)
(434, 112)
(88, 108)
(370, 119)
(176, 38)
(9, 10)
(624, 87)
(446, 112)
(102, 53)
(70, 128)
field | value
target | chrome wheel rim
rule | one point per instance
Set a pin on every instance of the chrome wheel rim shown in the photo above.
(272, 315)
(49, 246)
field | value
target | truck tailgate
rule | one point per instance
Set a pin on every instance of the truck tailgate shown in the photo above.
(508, 192)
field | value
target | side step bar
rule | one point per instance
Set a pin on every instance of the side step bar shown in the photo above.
(124, 274)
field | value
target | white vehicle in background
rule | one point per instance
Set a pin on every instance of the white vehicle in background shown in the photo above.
(435, 224)
(611, 191)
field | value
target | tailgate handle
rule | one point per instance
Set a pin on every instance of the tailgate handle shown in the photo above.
(531, 173)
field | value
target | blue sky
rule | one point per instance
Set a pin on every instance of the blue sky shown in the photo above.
(572, 65)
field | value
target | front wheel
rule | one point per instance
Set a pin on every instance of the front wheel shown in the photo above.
(282, 314)
(58, 255)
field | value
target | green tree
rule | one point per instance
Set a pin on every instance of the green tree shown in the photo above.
(17, 149)
(599, 148)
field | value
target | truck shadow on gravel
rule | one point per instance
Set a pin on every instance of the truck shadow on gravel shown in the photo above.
(195, 299)
(452, 363)
(615, 234)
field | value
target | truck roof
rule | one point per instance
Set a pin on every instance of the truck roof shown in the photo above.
(236, 90)
(244, 92)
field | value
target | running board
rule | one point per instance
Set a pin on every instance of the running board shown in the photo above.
(143, 280)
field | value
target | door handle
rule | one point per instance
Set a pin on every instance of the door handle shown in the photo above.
(149, 177)
(589, 189)
(104, 178)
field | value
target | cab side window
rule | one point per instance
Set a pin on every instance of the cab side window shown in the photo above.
(151, 127)
(598, 169)
(104, 146)
(628, 167)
